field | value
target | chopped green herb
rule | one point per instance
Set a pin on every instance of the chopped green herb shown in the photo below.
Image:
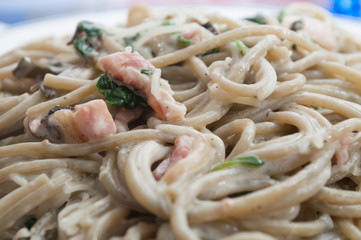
(29, 223)
(128, 41)
(90, 29)
(318, 108)
(250, 161)
(83, 47)
(167, 23)
(147, 71)
(85, 37)
(211, 51)
(294, 47)
(260, 19)
(313, 41)
(241, 47)
(181, 41)
(119, 95)
(281, 15)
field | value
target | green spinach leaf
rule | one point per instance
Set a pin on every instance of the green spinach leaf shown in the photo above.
(128, 41)
(181, 41)
(119, 95)
(260, 19)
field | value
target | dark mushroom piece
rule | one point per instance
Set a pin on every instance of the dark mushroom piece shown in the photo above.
(208, 25)
(28, 68)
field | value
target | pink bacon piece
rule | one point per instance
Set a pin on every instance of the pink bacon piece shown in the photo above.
(126, 67)
(182, 147)
(341, 153)
(94, 120)
(195, 35)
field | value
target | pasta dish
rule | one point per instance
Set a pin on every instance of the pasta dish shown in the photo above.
(184, 124)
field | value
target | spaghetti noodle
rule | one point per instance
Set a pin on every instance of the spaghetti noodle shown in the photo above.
(184, 125)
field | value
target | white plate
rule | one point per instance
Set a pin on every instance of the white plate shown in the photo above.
(18, 35)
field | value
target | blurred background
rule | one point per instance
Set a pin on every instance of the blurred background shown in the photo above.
(18, 11)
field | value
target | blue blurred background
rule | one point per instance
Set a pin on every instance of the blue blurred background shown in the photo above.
(17, 11)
